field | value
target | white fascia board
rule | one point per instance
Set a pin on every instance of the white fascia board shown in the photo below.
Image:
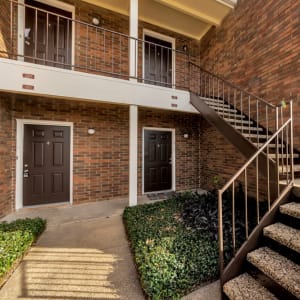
(68, 84)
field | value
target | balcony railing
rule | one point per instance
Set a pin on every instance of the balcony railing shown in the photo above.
(53, 38)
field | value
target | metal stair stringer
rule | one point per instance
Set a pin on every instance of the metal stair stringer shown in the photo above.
(246, 148)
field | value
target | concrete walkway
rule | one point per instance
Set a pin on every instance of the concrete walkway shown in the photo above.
(83, 254)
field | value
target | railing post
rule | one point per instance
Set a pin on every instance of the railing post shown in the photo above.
(277, 151)
(221, 243)
(292, 141)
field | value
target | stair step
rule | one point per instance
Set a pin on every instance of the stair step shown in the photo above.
(285, 235)
(270, 145)
(291, 209)
(217, 105)
(277, 267)
(221, 109)
(233, 121)
(273, 155)
(253, 135)
(247, 128)
(234, 116)
(212, 100)
(283, 169)
(245, 287)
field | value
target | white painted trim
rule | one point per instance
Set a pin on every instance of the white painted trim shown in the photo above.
(133, 33)
(173, 143)
(133, 154)
(19, 155)
(21, 23)
(165, 38)
(71, 85)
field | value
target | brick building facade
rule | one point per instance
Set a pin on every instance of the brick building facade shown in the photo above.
(263, 59)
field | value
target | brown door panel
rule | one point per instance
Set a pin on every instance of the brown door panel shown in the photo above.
(46, 160)
(157, 161)
(51, 39)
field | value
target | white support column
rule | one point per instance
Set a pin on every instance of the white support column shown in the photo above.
(133, 154)
(21, 29)
(134, 26)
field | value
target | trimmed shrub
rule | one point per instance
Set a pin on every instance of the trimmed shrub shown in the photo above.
(15, 239)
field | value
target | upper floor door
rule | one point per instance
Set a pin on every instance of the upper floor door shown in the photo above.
(158, 61)
(48, 35)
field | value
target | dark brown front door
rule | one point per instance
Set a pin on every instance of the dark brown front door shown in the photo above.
(158, 61)
(46, 169)
(157, 161)
(48, 36)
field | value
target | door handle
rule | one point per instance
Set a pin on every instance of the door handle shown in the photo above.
(26, 171)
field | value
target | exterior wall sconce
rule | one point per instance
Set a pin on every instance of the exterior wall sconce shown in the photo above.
(186, 135)
(96, 20)
(91, 131)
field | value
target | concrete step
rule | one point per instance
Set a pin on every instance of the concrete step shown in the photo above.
(291, 209)
(277, 267)
(285, 235)
(238, 121)
(245, 287)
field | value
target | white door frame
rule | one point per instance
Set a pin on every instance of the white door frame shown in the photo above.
(21, 24)
(173, 143)
(166, 38)
(20, 150)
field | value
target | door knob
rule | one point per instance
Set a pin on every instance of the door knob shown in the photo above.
(26, 173)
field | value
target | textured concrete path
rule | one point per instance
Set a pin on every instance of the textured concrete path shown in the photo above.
(83, 254)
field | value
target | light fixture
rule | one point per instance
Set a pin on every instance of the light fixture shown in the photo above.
(96, 21)
(185, 48)
(186, 135)
(91, 131)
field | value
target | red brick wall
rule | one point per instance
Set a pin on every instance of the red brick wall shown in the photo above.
(5, 41)
(7, 158)
(100, 161)
(187, 150)
(257, 47)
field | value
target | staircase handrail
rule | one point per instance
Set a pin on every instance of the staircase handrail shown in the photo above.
(287, 129)
(233, 85)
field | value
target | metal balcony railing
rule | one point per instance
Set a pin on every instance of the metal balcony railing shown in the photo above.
(55, 39)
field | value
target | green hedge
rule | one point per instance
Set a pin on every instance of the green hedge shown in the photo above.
(15, 239)
(171, 256)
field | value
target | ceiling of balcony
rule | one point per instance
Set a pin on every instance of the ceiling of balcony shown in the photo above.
(192, 18)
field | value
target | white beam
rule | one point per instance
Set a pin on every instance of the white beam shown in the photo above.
(133, 154)
(133, 25)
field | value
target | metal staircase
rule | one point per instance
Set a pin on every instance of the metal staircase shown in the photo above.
(263, 133)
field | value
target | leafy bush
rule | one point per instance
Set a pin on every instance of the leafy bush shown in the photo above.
(171, 257)
(15, 239)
